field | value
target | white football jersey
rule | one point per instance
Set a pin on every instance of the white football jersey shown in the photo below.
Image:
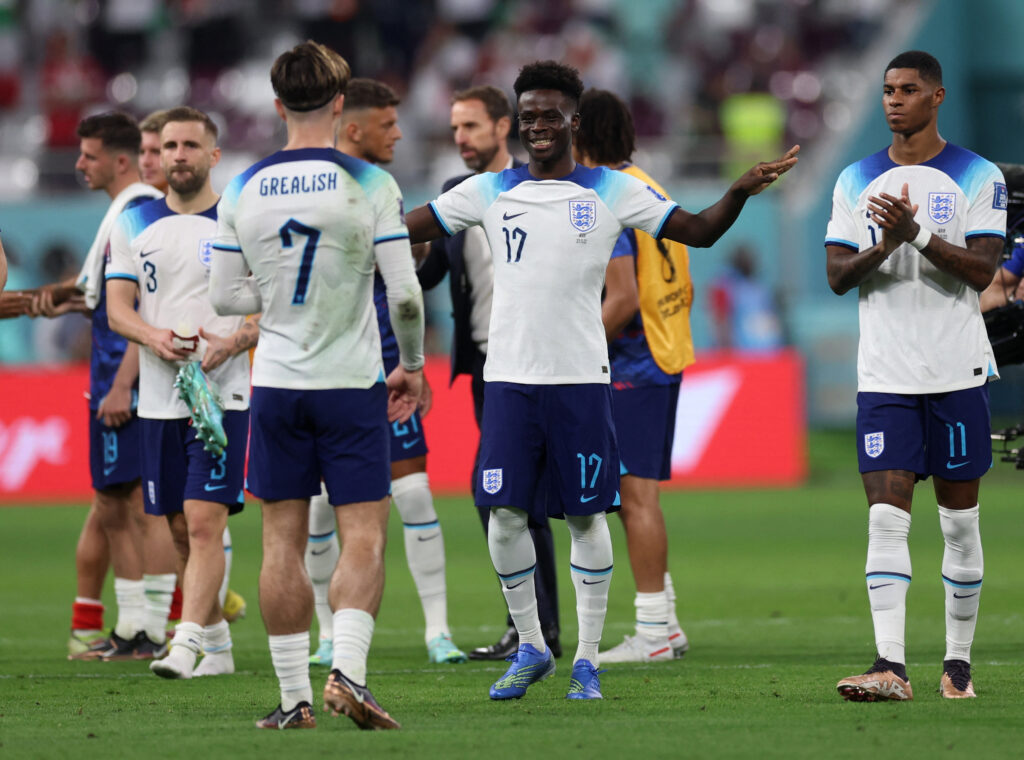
(306, 222)
(550, 241)
(921, 329)
(168, 255)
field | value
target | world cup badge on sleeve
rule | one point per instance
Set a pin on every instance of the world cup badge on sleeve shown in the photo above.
(941, 207)
(874, 444)
(492, 480)
(583, 215)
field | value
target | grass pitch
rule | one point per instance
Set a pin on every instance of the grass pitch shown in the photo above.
(771, 594)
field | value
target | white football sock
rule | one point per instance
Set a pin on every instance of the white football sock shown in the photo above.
(321, 558)
(670, 598)
(159, 590)
(353, 632)
(131, 607)
(590, 561)
(963, 567)
(652, 616)
(290, 655)
(424, 548)
(888, 578)
(515, 561)
(223, 592)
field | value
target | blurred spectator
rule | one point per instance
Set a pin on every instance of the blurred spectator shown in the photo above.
(744, 312)
(71, 81)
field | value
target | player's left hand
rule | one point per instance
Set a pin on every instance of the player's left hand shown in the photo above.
(405, 388)
(763, 174)
(219, 349)
(116, 407)
(895, 215)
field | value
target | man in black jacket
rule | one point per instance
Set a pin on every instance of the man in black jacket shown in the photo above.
(481, 120)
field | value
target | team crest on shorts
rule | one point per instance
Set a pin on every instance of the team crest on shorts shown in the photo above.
(941, 207)
(205, 251)
(583, 215)
(874, 444)
(492, 480)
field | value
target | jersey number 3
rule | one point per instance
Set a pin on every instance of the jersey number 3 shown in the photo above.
(312, 235)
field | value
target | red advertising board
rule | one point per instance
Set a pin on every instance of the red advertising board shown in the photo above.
(740, 422)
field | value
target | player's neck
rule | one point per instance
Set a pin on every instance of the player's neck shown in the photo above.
(120, 183)
(310, 136)
(563, 167)
(917, 147)
(192, 204)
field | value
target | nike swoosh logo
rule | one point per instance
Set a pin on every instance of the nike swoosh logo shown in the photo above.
(964, 596)
(515, 586)
(209, 487)
(108, 470)
(144, 254)
(428, 538)
(410, 444)
(506, 216)
(593, 583)
(315, 553)
(951, 466)
(585, 499)
(880, 585)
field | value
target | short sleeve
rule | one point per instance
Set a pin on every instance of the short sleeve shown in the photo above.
(841, 230)
(464, 205)
(987, 214)
(390, 211)
(636, 204)
(120, 264)
(227, 235)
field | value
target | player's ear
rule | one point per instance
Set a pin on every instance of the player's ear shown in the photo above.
(279, 107)
(939, 96)
(574, 123)
(124, 163)
(339, 103)
(352, 132)
(215, 157)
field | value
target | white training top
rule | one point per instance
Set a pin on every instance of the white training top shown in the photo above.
(168, 256)
(921, 329)
(550, 241)
(311, 224)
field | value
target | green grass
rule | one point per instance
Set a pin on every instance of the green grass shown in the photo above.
(771, 594)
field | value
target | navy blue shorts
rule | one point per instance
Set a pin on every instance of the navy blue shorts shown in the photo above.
(337, 435)
(645, 427)
(115, 453)
(941, 434)
(407, 439)
(565, 432)
(175, 467)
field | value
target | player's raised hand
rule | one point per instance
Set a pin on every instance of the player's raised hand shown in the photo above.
(763, 174)
(167, 345)
(46, 303)
(405, 387)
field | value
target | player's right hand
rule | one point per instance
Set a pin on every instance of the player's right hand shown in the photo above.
(405, 387)
(163, 343)
(763, 174)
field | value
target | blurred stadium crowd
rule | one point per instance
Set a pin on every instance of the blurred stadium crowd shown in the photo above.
(713, 84)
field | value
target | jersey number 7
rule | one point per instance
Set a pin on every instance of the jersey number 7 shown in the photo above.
(312, 235)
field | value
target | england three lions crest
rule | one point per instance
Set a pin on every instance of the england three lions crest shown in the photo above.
(583, 215)
(941, 207)
(874, 444)
(492, 480)
(206, 251)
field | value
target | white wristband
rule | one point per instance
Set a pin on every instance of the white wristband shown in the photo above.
(924, 236)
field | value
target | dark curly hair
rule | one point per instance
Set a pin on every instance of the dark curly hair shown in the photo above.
(924, 63)
(606, 133)
(549, 75)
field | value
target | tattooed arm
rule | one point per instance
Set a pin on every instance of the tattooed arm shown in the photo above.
(221, 348)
